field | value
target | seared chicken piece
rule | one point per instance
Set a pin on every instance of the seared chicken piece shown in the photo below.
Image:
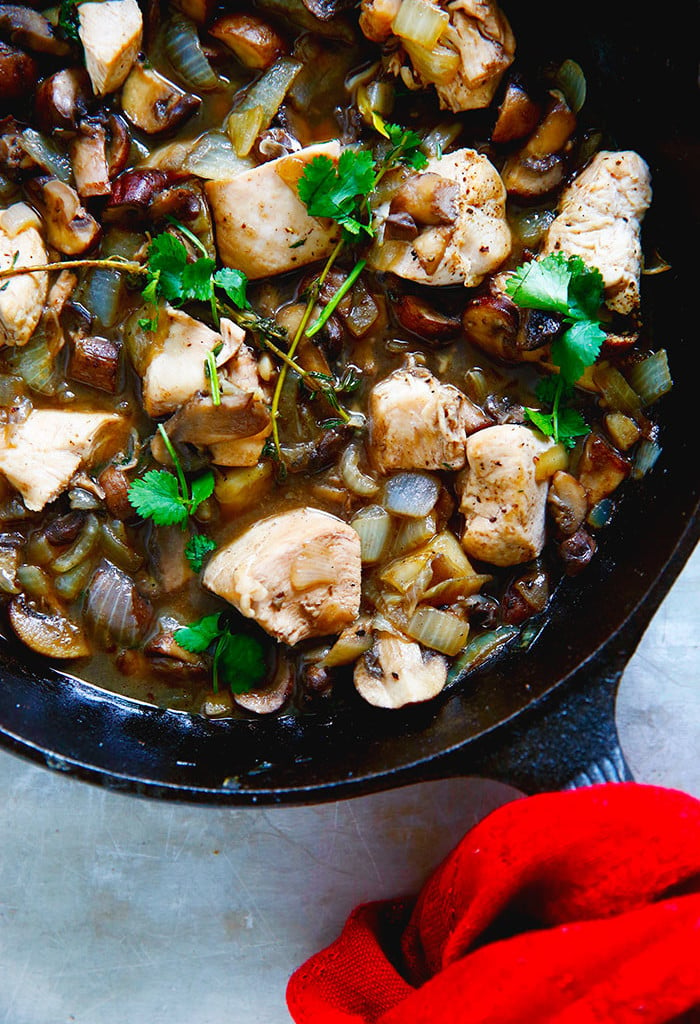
(22, 298)
(396, 671)
(262, 227)
(503, 503)
(464, 251)
(111, 35)
(482, 36)
(40, 456)
(417, 422)
(242, 370)
(599, 219)
(297, 574)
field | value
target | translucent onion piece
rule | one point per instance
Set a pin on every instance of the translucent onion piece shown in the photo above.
(9, 562)
(351, 643)
(105, 295)
(374, 526)
(375, 98)
(261, 101)
(439, 65)
(354, 479)
(213, 157)
(34, 363)
(411, 494)
(184, 51)
(616, 390)
(601, 513)
(529, 225)
(652, 377)
(478, 650)
(550, 461)
(440, 138)
(645, 457)
(46, 154)
(450, 591)
(420, 22)
(33, 580)
(405, 573)
(80, 548)
(413, 533)
(114, 606)
(439, 630)
(70, 584)
(116, 547)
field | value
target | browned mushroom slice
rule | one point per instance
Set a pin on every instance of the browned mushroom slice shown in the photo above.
(198, 10)
(428, 198)
(494, 324)
(69, 227)
(153, 103)
(95, 361)
(518, 114)
(166, 655)
(201, 423)
(63, 99)
(31, 30)
(419, 317)
(538, 168)
(274, 143)
(396, 671)
(47, 632)
(601, 469)
(134, 190)
(118, 145)
(19, 74)
(254, 42)
(88, 153)
(115, 484)
(577, 551)
(567, 502)
(267, 699)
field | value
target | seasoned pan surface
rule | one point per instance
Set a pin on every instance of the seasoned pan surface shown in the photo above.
(642, 81)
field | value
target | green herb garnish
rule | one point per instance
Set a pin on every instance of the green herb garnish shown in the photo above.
(197, 549)
(237, 659)
(567, 286)
(166, 497)
(68, 21)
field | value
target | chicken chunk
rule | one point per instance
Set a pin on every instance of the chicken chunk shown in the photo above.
(297, 574)
(503, 503)
(417, 422)
(173, 367)
(464, 251)
(22, 298)
(397, 671)
(111, 34)
(262, 227)
(599, 219)
(482, 36)
(40, 456)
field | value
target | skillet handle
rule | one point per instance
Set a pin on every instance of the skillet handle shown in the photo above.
(567, 741)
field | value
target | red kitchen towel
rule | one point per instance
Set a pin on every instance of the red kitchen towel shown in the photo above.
(565, 908)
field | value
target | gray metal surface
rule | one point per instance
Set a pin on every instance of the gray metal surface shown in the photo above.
(115, 909)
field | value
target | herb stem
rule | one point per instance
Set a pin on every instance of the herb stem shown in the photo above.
(331, 306)
(184, 490)
(128, 266)
(212, 373)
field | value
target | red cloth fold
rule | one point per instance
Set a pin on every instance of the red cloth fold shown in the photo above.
(565, 908)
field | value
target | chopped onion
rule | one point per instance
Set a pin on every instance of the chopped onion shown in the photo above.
(374, 526)
(529, 225)
(184, 51)
(34, 363)
(105, 295)
(601, 513)
(572, 82)
(651, 378)
(440, 138)
(616, 391)
(405, 573)
(116, 547)
(438, 65)
(261, 101)
(413, 533)
(69, 584)
(80, 548)
(420, 22)
(375, 99)
(114, 606)
(411, 494)
(439, 630)
(353, 477)
(212, 157)
(452, 590)
(33, 580)
(46, 154)
(480, 649)
(550, 461)
(645, 457)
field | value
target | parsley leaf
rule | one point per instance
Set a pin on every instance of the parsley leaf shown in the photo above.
(577, 348)
(167, 259)
(338, 191)
(234, 283)
(68, 19)
(541, 284)
(156, 496)
(202, 487)
(405, 147)
(237, 659)
(197, 549)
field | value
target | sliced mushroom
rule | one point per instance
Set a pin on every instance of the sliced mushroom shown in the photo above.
(254, 42)
(48, 633)
(201, 423)
(494, 324)
(274, 143)
(95, 361)
(518, 114)
(63, 99)
(31, 30)
(419, 317)
(153, 103)
(270, 698)
(134, 190)
(601, 469)
(428, 198)
(577, 551)
(538, 168)
(115, 484)
(166, 655)
(19, 74)
(69, 227)
(88, 153)
(396, 671)
(567, 502)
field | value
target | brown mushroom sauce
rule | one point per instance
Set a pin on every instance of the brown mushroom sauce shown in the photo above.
(103, 147)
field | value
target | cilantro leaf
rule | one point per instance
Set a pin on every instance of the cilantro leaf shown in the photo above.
(577, 348)
(338, 191)
(240, 661)
(234, 283)
(405, 147)
(156, 496)
(564, 424)
(541, 284)
(68, 19)
(202, 487)
(167, 259)
(199, 636)
(197, 280)
(197, 549)
(585, 290)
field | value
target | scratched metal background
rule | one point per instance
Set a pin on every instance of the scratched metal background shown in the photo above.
(115, 909)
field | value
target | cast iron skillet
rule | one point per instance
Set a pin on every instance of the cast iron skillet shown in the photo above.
(540, 720)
